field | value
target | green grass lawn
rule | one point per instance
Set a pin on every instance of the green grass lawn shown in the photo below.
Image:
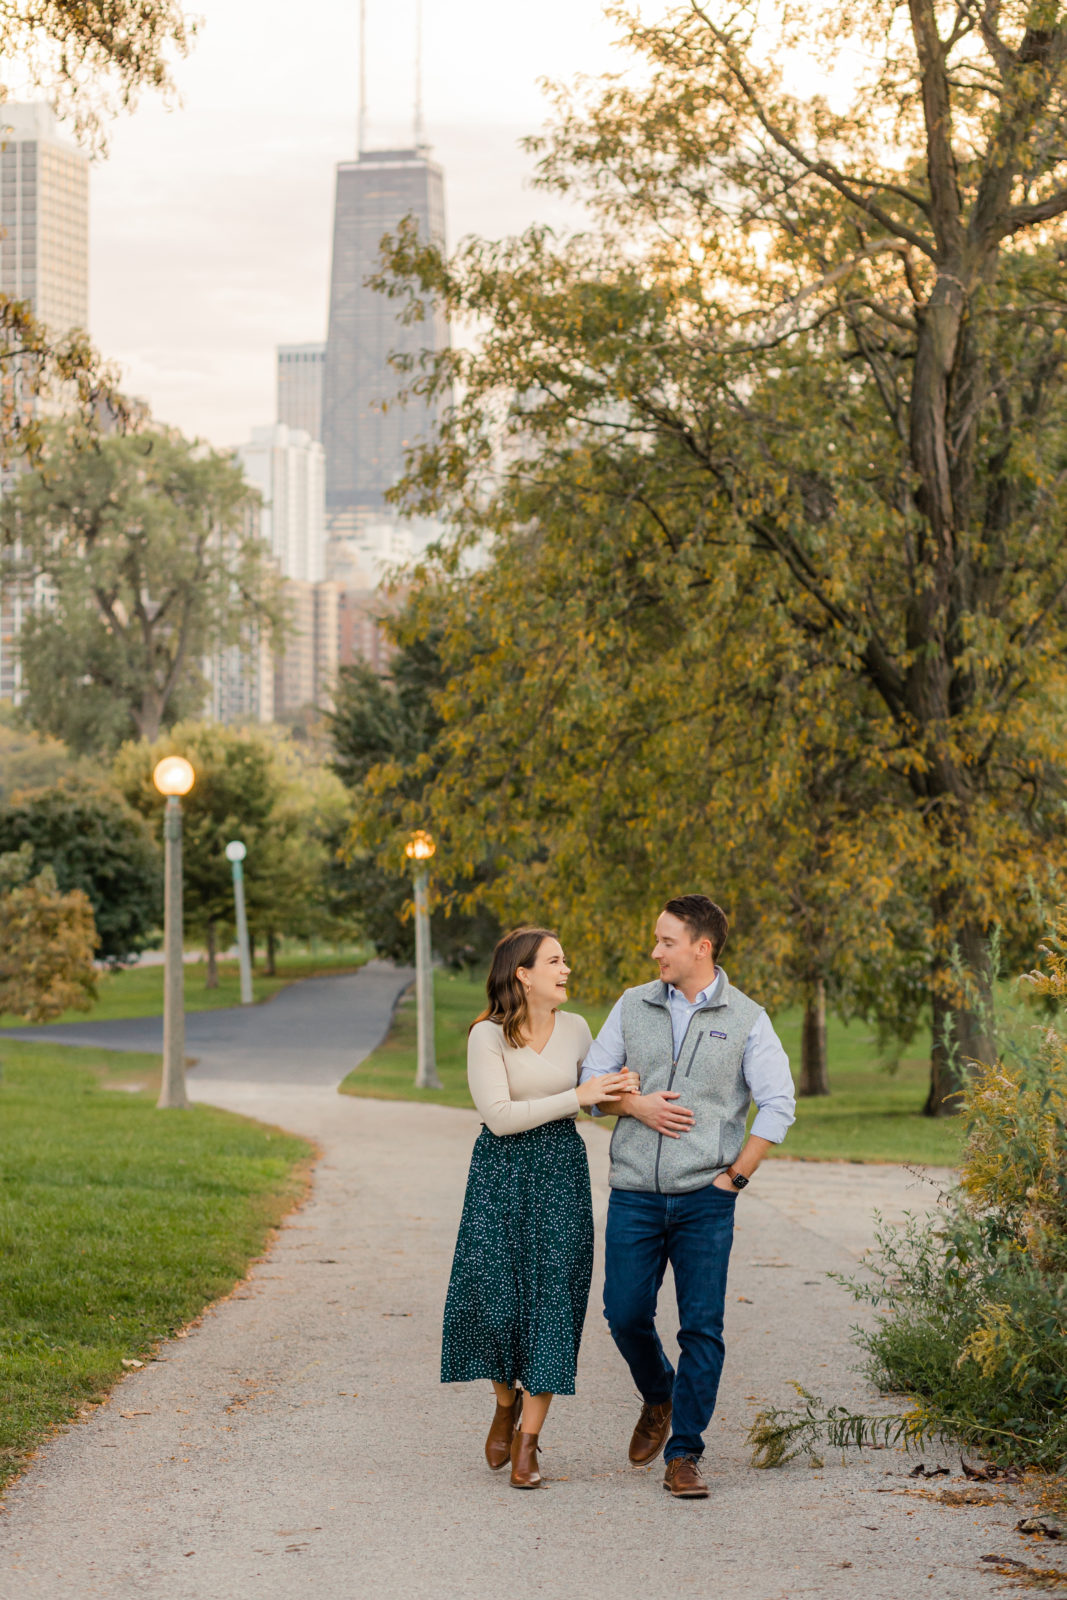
(138, 991)
(872, 1115)
(118, 1223)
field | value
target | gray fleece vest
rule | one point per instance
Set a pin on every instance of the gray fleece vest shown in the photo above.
(706, 1073)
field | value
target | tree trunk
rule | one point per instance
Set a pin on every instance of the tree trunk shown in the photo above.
(211, 980)
(149, 717)
(272, 951)
(962, 1020)
(814, 1070)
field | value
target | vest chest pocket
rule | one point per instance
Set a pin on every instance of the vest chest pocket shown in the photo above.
(712, 1057)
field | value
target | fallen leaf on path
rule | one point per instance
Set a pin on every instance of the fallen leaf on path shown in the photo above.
(745, 1301)
(972, 1496)
(983, 1472)
(1028, 1577)
(923, 1471)
(128, 1361)
(1047, 1530)
(135, 1413)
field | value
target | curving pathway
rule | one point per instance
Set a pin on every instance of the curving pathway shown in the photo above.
(297, 1441)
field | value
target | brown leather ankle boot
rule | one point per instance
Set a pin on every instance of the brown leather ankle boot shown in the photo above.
(501, 1433)
(524, 1473)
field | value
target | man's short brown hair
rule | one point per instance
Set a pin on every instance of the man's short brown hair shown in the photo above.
(703, 918)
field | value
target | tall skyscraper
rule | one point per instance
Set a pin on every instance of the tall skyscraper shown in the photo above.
(286, 466)
(366, 444)
(44, 259)
(44, 218)
(300, 368)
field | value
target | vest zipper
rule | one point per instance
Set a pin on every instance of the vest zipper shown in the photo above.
(693, 1054)
(670, 1082)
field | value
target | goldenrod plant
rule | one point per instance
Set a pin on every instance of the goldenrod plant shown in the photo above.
(973, 1307)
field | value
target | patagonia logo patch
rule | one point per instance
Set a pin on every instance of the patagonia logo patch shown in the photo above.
(713, 1033)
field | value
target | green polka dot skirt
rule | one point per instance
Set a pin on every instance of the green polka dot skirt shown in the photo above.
(524, 1259)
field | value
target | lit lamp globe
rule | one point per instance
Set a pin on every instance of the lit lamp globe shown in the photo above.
(235, 850)
(174, 776)
(420, 847)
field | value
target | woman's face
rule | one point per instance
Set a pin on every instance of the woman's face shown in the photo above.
(546, 981)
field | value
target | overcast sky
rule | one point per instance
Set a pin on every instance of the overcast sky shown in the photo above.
(210, 223)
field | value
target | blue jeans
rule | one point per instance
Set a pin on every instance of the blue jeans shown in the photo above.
(694, 1233)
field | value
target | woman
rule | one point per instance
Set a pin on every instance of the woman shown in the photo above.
(524, 1258)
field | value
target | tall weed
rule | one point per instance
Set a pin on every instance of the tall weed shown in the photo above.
(972, 1306)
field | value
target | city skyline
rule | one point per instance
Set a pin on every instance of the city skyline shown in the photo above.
(222, 210)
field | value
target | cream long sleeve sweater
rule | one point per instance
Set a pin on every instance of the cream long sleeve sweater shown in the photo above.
(519, 1089)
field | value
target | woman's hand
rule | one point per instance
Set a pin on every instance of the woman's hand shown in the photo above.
(610, 1086)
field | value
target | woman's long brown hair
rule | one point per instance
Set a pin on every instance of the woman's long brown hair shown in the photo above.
(507, 997)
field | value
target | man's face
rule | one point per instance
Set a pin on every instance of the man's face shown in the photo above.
(676, 952)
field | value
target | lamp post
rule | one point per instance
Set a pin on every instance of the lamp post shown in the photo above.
(235, 854)
(419, 849)
(173, 777)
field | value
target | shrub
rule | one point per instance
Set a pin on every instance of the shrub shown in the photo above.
(973, 1309)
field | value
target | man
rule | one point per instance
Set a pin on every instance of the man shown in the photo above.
(679, 1159)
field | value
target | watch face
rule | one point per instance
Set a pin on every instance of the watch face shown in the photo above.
(738, 1181)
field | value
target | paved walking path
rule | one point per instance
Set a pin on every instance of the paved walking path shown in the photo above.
(310, 1033)
(297, 1442)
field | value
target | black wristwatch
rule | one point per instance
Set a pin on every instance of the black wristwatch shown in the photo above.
(738, 1179)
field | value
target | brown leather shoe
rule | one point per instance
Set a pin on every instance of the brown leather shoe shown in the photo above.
(524, 1473)
(683, 1479)
(650, 1435)
(501, 1433)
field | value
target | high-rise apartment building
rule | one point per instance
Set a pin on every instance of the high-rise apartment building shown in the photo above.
(44, 259)
(365, 430)
(240, 681)
(44, 218)
(239, 676)
(300, 369)
(286, 466)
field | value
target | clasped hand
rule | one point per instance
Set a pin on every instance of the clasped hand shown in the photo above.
(662, 1114)
(607, 1088)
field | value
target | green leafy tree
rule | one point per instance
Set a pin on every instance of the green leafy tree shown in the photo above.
(93, 59)
(296, 886)
(251, 784)
(93, 841)
(236, 790)
(815, 355)
(582, 771)
(29, 760)
(386, 730)
(46, 942)
(148, 543)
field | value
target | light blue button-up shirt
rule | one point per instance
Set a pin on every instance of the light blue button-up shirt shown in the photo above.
(764, 1064)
